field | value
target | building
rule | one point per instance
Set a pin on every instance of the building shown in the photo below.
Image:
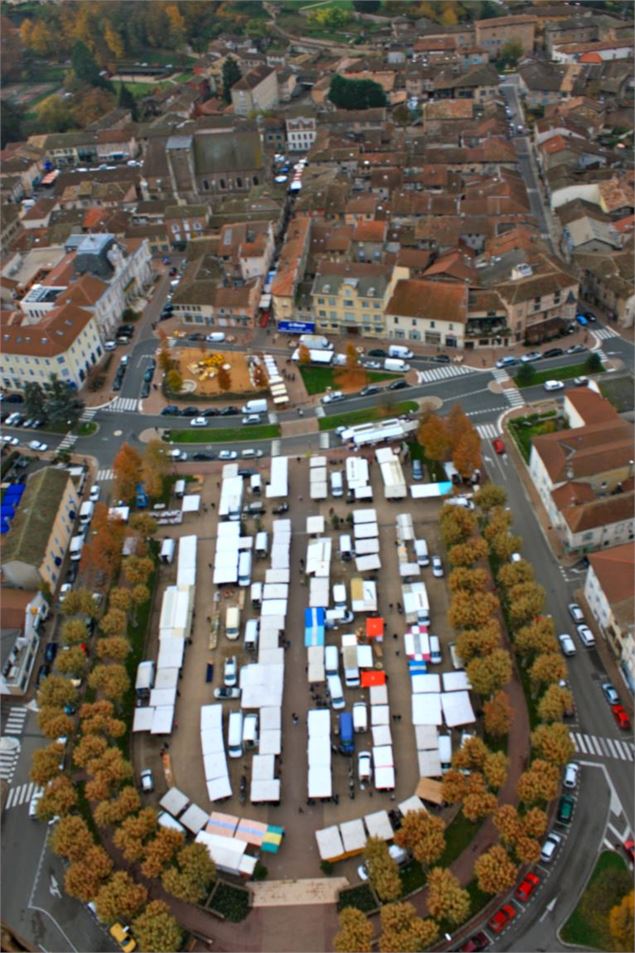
(301, 133)
(246, 250)
(33, 550)
(208, 296)
(21, 615)
(291, 266)
(434, 312)
(349, 298)
(609, 590)
(185, 222)
(257, 91)
(494, 33)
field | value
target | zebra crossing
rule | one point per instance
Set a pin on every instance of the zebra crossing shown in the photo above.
(8, 762)
(14, 724)
(603, 747)
(487, 431)
(104, 475)
(22, 794)
(511, 394)
(88, 414)
(441, 373)
(604, 333)
(67, 442)
(123, 403)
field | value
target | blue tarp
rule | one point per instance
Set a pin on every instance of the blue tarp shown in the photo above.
(314, 636)
(7, 512)
(417, 668)
(14, 491)
(314, 617)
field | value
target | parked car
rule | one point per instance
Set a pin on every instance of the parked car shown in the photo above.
(526, 887)
(610, 693)
(50, 651)
(580, 381)
(479, 941)
(369, 390)
(228, 455)
(530, 357)
(332, 396)
(567, 646)
(499, 445)
(553, 385)
(576, 612)
(43, 672)
(377, 352)
(230, 672)
(94, 492)
(145, 389)
(195, 336)
(364, 766)
(398, 385)
(250, 453)
(576, 349)
(372, 365)
(230, 411)
(176, 454)
(148, 374)
(441, 359)
(571, 774)
(566, 805)
(280, 508)
(202, 455)
(622, 720)
(210, 412)
(38, 445)
(147, 780)
(225, 692)
(552, 352)
(417, 469)
(550, 846)
(437, 567)
(198, 422)
(190, 412)
(121, 934)
(508, 361)
(170, 410)
(502, 918)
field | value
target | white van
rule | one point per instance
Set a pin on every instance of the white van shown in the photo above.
(252, 630)
(244, 569)
(445, 752)
(337, 483)
(339, 595)
(255, 483)
(232, 622)
(256, 594)
(75, 550)
(256, 406)
(86, 511)
(331, 660)
(179, 489)
(235, 735)
(250, 731)
(397, 350)
(421, 552)
(346, 547)
(456, 658)
(168, 547)
(435, 650)
(360, 716)
(262, 544)
(336, 693)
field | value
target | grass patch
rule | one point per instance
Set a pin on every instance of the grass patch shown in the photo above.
(478, 899)
(524, 429)
(458, 835)
(588, 924)
(85, 428)
(229, 902)
(360, 897)
(318, 379)
(412, 877)
(137, 630)
(559, 374)
(231, 435)
(367, 415)
(435, 470)
(619, 390)
(141, 89)
(83, 806)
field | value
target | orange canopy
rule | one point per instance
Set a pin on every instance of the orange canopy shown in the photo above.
(374, 627)
(371, 677)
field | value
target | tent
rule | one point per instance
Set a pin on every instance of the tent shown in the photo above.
(429, 790)
(378, 689)
(426, 709)
(374, 627)
(174, 802)
(381, 735)
(372, 679)
(329, 841)
(455, 681)
(457, 709)
(379, 714)
(353, 836)
(378, 825)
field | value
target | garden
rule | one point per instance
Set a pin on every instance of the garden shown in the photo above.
(525, 429)
(603, 918)
(317, 380)
(367, 414)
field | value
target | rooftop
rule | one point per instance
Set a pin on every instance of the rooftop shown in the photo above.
(615, 569)
(27, 539)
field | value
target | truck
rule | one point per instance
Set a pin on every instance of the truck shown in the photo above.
(316, 342)
(257, 406)
(349, 661)
(396, 365)
(144, 681)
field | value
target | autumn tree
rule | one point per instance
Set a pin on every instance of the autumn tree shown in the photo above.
(555, 703)
(53, 722)
(507, 822)
(383, 872)
(504, 544)
(120, 898)
(621, 918)
(45, 763)
(127, 470)
(88, 748)
(138, 569)
(112, 764)
(79, 602)
(144, 524)
(192, 876)
(114, 649)
(102, 551)
(157, 929)
(527, 849)
(260, 377)
(468, 553)
(74, 632)
(114, 622)
(56, 692)
(402, 931)
(224, 378)
(495, 871)
(497, 715)
(469, 580)
(525, 602)
(465, 612)
(514, 574)
(132, 832)
(98, 718)
(174, 380)
(553, 743)
(479, 804)
(487, 675)
(489, 496)
(458, 525)
(466, 455)
(119, 599)
(355, 934)
(353, 375)
(85, 877)
(159, 851)
(72, 662)
(474, 643)
(453, 787)
(433, 437)
(457, 424)
(114, 811)
(304, 355)
(534, 822)
(140, 594)
(423, 835)
(539, 783)
(472, 754)
(546, 669)
(112, 680)
(154, 466)
(537, 638)
(446, 899)
(71, 838)
(58, 800)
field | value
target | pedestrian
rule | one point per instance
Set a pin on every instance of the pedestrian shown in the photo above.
(390, 606)
(395, 636)
(213, 506)
(300, 499)
(300, 809)
(397, 652)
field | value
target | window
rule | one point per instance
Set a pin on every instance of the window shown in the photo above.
(322, 314)
(332, 302)
(433, 324)
(349, 303)
(396, 320)
(321, 301)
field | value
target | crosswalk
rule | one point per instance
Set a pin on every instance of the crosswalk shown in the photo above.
(604, 333)
(89, 413)
(14, 724)
(67, 442)
(21, 794)
(511, 394)
(104, 475)
(8, 762)
(123, 403)
(441, 373)
(603, 747)
(487, 431)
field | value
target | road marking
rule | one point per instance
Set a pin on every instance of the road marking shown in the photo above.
(21, 794)
(612, 748)
(89, 413)
(104, 475)
(487, 431)
(67, 442)
(604, 333)
(442, 373)
(603, 747)
(8, 762)
(15, 721)
(123, 404)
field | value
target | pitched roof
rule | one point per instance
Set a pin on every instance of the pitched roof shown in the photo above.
(591, 406)
(585, 451)
(227, 152)
(253, 78)
(438, 300)
(13, 604)
(603, 511)
(53, 335)
(615, 569)
(28, 537)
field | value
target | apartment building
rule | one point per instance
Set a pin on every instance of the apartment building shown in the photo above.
(21, 615)
(257, 91)
(609, 590)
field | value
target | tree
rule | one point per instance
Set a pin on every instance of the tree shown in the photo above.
(509, 55)
(114, 649)
(457, 525)
(114, 622)
(93, 104)
(423, 835)
(539, 783)
(458, 424)
(72, 662)
(352, 376)
(138, 569)
(160, 850)
(466, 455)
(119, 599)
(504, 544)
(224, 379)
(469, 580)
(45, 763)
(534, 822)
(621, 922)
(446, 899)
(478, 643)
(433, 437)
(193, 875)
(55, 114)
(231, 74)
(497, 715)
(166, 361)
(53, 722)
(62, 405)
(479, 804)
(112, 765)
(525, 602)
(86, 68)
(555, 703)
(154, 466)
(98, 718)
(125, 100)
(527, 849)
(58, 800)
(366, 6)
(465, 612)
(132, 832)
(126, 468)
(304, 355)
(85, 877)
(156, 929)
(74, 632)
(80, 602)
(487, 675)
(102, 552)
(402, 931)
(546, 669)
(553, 743)
(383, 872)
(499, 521)
(525, 375)
(355, 93)
(10, 122)
(55, 692)
(471, 754)
(507, 823)
(468, 553)
(514, 574)
(495, 871)
(88, 748)
(490, 495)
(120, 898)
(34, 399)
(495, 769)
(537, 638)
(453, 787)
(593, 363)
(111, 680)
(144, 524)
(71, 838)
(355, 934)
(127, 802)
(140, 594)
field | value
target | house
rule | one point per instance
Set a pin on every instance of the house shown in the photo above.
(257, 91)
(349, 297)
(609, 590)
(610, 282)
(301, 132)
(492, 34)
(584, 474)
(185, 222)
(540, 83)
(246, 250)
(33, 550)
(433, 312)
(291, 265)
(207, 296)
(21, 615)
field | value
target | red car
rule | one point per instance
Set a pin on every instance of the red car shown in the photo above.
(621, 718)
(498, 445)
(629, 847)
(476, 943)
(525, 889)
(502, 918)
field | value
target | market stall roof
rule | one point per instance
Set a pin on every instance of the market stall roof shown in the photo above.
(163, 696)
(353, 835)
(320, 783)
(214, 767)
(374, 627)
(429, 763)
(270, 742)
(223, 824)
(265, 791)
(426, 709)
(378, 688)
(379, 714)
(211, 717)
(412, 803)
(385, 779)
(426, 737)
(429, 790)
(212, 741)
(218, 789)
(455, 682)
(194, 818)
(252, 832)
(381, 735)
(378, 825)
(314, 525)
(329, 841)
(457, 709)
(163, 720)
(383, 757)
(425, 683)
(373, 679)
(191, 503)
(174, 801)
(262, 767)
(142, 720)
